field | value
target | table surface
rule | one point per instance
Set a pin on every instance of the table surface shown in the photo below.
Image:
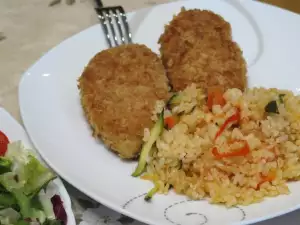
(29, 30)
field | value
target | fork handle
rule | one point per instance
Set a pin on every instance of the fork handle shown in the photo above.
(99, 3)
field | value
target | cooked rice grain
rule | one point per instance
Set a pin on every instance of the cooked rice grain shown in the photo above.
(184, 159)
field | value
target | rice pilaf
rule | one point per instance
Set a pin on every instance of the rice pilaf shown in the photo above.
(236, 150)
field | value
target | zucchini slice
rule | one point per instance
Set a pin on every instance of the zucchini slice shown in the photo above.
(174, 100)
(272, 107)
(150, 194)
(154, 134)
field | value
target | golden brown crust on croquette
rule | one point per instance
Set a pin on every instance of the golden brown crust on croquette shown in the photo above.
(197, 47)
(119, 88)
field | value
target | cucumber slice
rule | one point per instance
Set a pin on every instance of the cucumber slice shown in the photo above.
(154, 134)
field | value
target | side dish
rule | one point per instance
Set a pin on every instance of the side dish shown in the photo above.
(233, 147)
(25, 196)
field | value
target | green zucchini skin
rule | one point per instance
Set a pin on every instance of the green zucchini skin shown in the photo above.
(173, 101)
(154, 134)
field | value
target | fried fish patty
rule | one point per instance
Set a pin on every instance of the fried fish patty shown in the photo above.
(119, 89)
(197, 47)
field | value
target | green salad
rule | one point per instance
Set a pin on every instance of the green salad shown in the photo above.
(23, 190)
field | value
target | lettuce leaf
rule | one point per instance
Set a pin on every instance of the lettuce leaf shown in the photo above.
(21, 185)
(5, 165)
(27, 208)
(7, 200)
(28, 171)
(37, 176)
(9, 216)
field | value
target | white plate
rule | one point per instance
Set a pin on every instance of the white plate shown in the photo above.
(15, 132)
(53, 116)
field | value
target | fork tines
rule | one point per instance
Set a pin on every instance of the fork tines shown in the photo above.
(115, 25)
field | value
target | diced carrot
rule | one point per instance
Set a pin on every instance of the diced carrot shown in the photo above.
(205, 109)
(170, 122)
(218, 99)
(215, 97)
(269, 178)
(146, 177)
(210, 100)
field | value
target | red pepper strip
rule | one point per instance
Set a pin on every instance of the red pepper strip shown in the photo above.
(234, 118)
(3, 143)
(239, 152)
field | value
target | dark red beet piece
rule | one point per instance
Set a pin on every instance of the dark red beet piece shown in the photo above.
(59, 210)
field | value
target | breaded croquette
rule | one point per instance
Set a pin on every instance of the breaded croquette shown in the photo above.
(197, 47)
(119, 89)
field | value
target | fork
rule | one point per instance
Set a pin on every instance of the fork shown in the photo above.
(114, 24)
